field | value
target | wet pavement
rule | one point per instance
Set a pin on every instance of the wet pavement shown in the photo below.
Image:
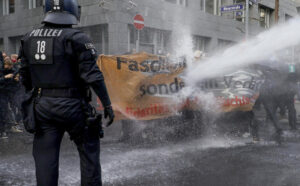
(206, 161)
(211, 160)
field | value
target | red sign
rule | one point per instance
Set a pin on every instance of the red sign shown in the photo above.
(139, 22)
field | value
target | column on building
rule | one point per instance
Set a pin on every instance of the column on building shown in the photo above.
(213, 45)
(118, 37)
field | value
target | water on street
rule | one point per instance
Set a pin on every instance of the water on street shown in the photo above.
(210, 160)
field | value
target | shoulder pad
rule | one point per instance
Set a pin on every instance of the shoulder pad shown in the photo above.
(26, 36)
(81, 42)
(70, 32)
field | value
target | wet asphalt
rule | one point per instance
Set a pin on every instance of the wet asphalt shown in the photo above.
(211, 160)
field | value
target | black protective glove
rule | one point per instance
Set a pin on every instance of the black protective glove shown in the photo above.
(108, 112)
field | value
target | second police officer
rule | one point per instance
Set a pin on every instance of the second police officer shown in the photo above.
(58, 63)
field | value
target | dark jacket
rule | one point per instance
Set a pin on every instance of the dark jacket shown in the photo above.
(81, 56)
(8, 86)
(1, 61)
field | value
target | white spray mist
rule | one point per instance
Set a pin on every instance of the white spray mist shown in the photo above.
(255, 50)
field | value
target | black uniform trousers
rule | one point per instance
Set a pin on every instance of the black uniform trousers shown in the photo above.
(288, 101)
(54, 117)
(4, 112)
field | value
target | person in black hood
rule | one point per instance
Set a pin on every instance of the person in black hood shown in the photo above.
(7, 87)
(288, 92)
(269, 95)
(1, 60)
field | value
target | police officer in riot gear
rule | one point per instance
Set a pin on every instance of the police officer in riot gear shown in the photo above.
(58, 63)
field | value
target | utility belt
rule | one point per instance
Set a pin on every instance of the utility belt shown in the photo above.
(59, 92)
(93, 119)
(31, 98)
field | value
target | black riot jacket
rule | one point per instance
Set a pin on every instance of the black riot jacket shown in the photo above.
(8, 86)
(58, 56)
(1, 61)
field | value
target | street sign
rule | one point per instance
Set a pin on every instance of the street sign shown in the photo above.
(232, 8)
(239, 13)
(139, 22)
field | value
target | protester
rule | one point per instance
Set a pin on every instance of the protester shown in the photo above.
(15, 97)
(4, 55)
(7, 76)
(14, 58)
(10, 109)
(288, 96)
(1, 60)
(278, 91)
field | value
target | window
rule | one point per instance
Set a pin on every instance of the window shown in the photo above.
(209, 6)
(7, 7)
(201, 43)
(15, 43)
(264, 16)
(4, 5)
(11, 6)
(1, 44)
(146, 35)
(179, 2)
(224, 43)
(163, 39)
(171, 1)
(239, 1)
(35, 3)
(132, 34)
(183, 2)
(202, 5)
(151, 40)
(239, 15)
(99, 36)
(1, 7)
(288, 17)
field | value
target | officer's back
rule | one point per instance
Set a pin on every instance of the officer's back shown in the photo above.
(57, 64)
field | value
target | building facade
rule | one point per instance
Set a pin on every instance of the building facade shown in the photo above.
(110, 22)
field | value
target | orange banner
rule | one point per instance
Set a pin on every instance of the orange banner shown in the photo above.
(143, 86)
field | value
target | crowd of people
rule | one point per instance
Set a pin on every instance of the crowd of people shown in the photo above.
(10, 95)
(279, 91)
